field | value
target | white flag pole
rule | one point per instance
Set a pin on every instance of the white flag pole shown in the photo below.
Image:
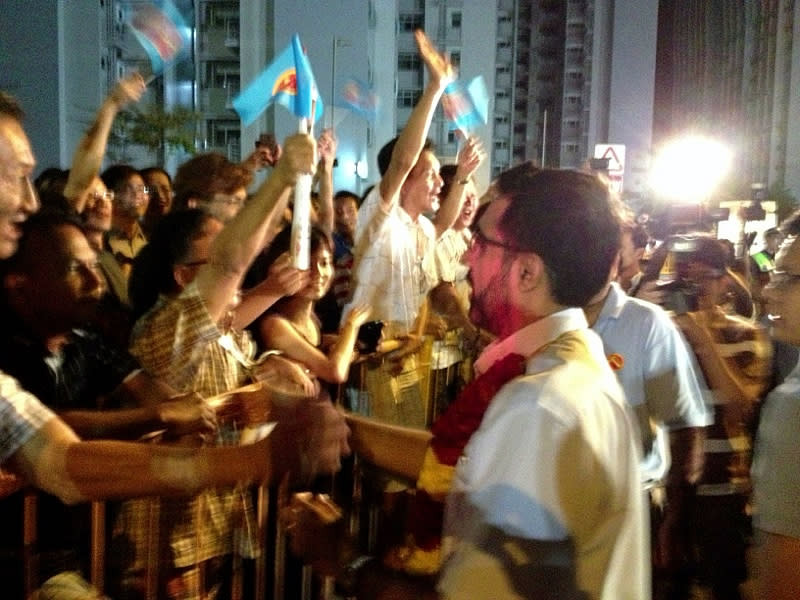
(301, 213)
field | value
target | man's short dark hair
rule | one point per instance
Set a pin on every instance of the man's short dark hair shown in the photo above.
(385, 153)
(345, 194)
(117, 176)
(168, 245)
(570, 219)
(37, 230)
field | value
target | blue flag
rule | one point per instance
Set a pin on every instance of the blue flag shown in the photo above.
(466, 108)
(360, 98)
(161, 30)
(288, 80)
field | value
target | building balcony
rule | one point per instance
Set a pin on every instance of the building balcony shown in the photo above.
(217, 101)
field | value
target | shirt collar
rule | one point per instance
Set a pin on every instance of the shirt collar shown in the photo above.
(613, 304)
(532, 337)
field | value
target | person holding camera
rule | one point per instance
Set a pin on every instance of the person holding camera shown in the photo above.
(734, 355)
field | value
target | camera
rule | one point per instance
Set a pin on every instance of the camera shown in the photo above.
(680, 293)
(369, 336)
(680, 296)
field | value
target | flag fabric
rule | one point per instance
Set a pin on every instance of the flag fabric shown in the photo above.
(288, 80)
(360, 98)
(466, 107)
(161, 30)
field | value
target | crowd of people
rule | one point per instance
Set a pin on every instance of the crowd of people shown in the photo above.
(550, 411)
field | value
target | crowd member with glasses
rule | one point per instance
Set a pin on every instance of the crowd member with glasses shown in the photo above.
(161, 194)
(51, 290)
(213, 184)
(776, 483)
(131, 197)
(38, 448)
(734, 356)
(190, 332)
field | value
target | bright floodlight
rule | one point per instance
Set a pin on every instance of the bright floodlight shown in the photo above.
(687, 170)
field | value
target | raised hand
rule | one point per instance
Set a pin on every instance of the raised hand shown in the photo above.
(297, 158)
(469, 158)
(326, 146)
(440, 70)
(283, 279)
(129, 89)
(358, 315)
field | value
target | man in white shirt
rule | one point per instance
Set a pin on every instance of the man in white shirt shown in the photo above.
(546, 500)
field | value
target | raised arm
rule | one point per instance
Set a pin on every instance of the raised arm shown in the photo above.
(326, 146)
(282, 280)
(89, 154)
(242, 238)
(412, 139)
(469, 159)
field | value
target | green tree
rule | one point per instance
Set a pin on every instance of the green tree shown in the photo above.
(157, 130)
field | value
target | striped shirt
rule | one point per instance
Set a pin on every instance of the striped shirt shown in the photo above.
(178, 341)
(746, 350)
(21, 416)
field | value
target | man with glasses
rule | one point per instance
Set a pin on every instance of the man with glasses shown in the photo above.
(776, 483)
(131, 197)
(543, 453)
(213, 184)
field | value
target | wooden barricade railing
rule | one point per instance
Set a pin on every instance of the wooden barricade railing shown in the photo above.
(363, 516)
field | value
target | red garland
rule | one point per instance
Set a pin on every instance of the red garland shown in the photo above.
(452, 430)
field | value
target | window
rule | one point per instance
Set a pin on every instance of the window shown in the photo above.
(501, 144)
(408, 61)
(455, 58)
(407, 98)
(411, 21)
(455, 19)
(452, 137)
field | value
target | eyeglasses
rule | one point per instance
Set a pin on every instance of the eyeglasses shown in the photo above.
(480, 240)
(137, 189)
(783, 279)
(107, 195)
(195, 263)
(231, 200)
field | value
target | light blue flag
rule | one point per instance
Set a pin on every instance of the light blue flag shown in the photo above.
(288, 80)
(161, 30)
(466, 108)
(360, 98)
